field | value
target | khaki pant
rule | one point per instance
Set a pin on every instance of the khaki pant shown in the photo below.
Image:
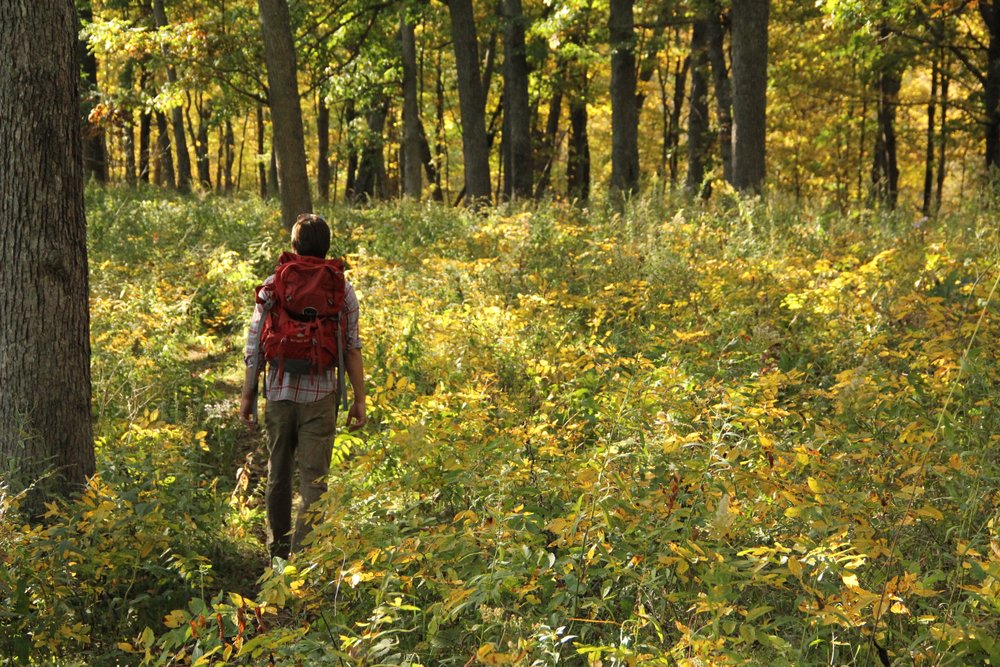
(302, 434)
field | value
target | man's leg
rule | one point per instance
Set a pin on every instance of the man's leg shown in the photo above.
(317, 427)
(281, 420)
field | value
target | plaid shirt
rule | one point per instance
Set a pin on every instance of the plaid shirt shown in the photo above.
(296, 388)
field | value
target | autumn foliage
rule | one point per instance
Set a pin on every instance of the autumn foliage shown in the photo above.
(742, 434)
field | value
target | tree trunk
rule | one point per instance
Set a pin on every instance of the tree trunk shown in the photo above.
(549, 143)
(698, 128)
(472, 101)
(372, 177)
(350, 184)
(723, 89)
(749, 43)
(323, 148)
(674, 135)
(286, 113)
(230, 154)
(45, 417)
(991, 85)
(518, 168)
(201, 146)
(624, 111)
(942, 147)
(412, 182)
(163, 157)
(433, 175)
(145, 131)
(95, 151)
(929, 148)
(177, 114)
(578, 159)
(885, 169)
(261, 167)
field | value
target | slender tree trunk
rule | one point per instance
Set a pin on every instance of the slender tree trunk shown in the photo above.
(323, 148)
(624, 111)
(885, 169)
(201, 146)
(45, 418)
(145, 132)
(698, 127)
(440, 152)
(578, 159)
(549, 142)
(433, 175)
(471, 98)
(412, 182)
(991, 89)
(183, 183)
(723, 90)
(350, 186)
(95, 151)
(942, 144)
(929, 150)
(286, 112)
(749, 43)
(519, 170)
(680, 83)
(230, 140)
(163, 156)
(261, 167)
(372, 178)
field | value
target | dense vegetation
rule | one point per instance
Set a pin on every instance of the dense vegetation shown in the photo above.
(738, 434)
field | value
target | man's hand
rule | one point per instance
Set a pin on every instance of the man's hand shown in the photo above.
(356, 417)
(247, 413)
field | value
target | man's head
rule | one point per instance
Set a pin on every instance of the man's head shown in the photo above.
(311, 236)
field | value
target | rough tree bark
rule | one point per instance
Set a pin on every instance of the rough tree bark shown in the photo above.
(698, 140)
(624, 108)
(749, 21)
(286, 112)
(518, 167)
(322, 148)
(472, 103)
(45, 419)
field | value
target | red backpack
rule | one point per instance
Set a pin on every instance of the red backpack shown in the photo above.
(304, 332)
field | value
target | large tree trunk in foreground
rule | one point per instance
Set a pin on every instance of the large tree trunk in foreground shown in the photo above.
(286, 112)
(45, 422)
(749, 40)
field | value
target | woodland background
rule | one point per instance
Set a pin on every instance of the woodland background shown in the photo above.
(685, 396)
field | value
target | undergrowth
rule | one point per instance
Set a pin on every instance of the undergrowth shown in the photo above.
(732, 434)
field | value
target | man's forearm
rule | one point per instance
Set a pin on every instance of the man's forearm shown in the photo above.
(356, 373)
(250, 382)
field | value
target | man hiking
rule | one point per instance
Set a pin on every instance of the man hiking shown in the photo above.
(304, 326)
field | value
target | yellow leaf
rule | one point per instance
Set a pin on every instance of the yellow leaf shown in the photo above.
(850, 580)
(794, 566)
(125, 646)
(930, 513)
(174, 618)
(814, 485)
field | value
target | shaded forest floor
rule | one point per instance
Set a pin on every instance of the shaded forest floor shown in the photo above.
(742, 434)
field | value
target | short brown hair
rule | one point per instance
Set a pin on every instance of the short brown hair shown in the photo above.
(311, 236)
